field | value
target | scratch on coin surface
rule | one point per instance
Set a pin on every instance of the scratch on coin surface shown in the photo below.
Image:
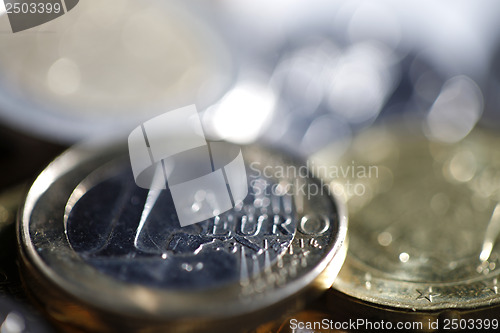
(491, 286)
(427, 294)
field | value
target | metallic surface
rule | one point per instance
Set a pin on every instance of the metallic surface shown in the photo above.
(245, 266)
(423, 234)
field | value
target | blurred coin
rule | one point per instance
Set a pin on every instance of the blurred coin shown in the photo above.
(104, 66)
(425, 219)
(275, 251)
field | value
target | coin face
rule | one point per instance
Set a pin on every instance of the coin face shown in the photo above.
(424, 222)
(78, 233)
(102, 223)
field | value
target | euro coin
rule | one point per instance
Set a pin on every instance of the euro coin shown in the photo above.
(85, 261)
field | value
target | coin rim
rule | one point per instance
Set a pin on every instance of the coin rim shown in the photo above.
(320, 276)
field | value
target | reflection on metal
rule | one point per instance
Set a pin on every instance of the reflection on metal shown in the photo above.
(455, 111)
(243, 113)
(491, 234)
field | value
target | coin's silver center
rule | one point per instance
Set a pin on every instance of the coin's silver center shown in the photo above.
(103, 218)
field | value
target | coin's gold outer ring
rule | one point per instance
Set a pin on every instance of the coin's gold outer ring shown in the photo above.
(78, 296)
(402, 295)
(344, 307)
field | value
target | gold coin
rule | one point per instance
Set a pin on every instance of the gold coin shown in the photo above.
(424, 219)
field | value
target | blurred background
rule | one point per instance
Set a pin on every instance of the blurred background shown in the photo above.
(297, 75)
